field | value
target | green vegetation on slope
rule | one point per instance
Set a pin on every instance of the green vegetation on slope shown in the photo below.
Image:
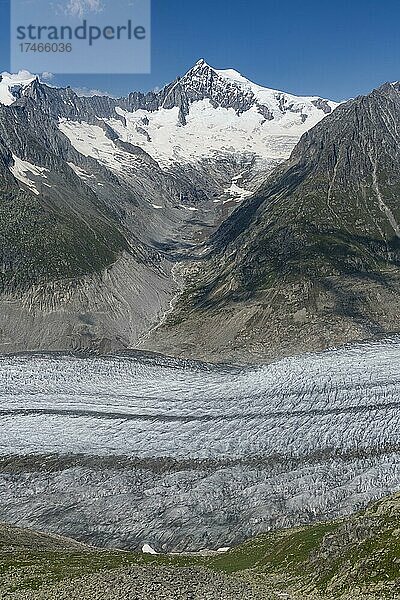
(37, 244)
(356, 557)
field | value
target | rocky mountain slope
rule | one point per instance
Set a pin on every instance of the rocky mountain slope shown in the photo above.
(355, 558)
(15, 539)
(100, 196)
(312, 259)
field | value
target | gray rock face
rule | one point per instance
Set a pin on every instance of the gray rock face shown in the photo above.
(99, 313)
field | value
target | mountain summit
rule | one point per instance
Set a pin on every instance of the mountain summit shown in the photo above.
(229, 89)
(209, 111)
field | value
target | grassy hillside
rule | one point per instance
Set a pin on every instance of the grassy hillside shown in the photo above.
(354, 558)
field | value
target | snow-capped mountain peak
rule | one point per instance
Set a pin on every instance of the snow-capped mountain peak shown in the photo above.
(207, 114)
(12, 85)
(209, 111)
(230, 89)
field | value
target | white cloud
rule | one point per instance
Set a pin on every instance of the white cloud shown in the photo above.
(46, 76)
(17, 77)
(88, 93)
(79, 8)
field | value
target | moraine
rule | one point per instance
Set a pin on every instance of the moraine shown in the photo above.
(134, 449)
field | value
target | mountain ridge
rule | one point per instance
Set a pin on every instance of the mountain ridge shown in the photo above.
(197, 81)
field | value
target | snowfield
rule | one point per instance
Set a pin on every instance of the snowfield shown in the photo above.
(210, 131)
(131, 450)
(91, 140)
(23, 170)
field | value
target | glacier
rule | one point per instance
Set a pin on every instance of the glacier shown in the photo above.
(138, 449)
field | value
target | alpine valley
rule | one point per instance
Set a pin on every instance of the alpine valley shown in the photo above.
(104, 202)
(199, 342)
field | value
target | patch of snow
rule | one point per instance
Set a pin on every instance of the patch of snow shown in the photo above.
(237, 193)
(148, 549)
(81, 172)
(156, 206)
(78, 171)
(91, 140)
(225, 549)
(22, 169)
(238, 177)
(192, 208)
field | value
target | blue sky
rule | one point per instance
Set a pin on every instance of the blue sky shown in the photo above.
(333, 49)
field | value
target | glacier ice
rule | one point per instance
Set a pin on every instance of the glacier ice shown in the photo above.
(131, 449)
